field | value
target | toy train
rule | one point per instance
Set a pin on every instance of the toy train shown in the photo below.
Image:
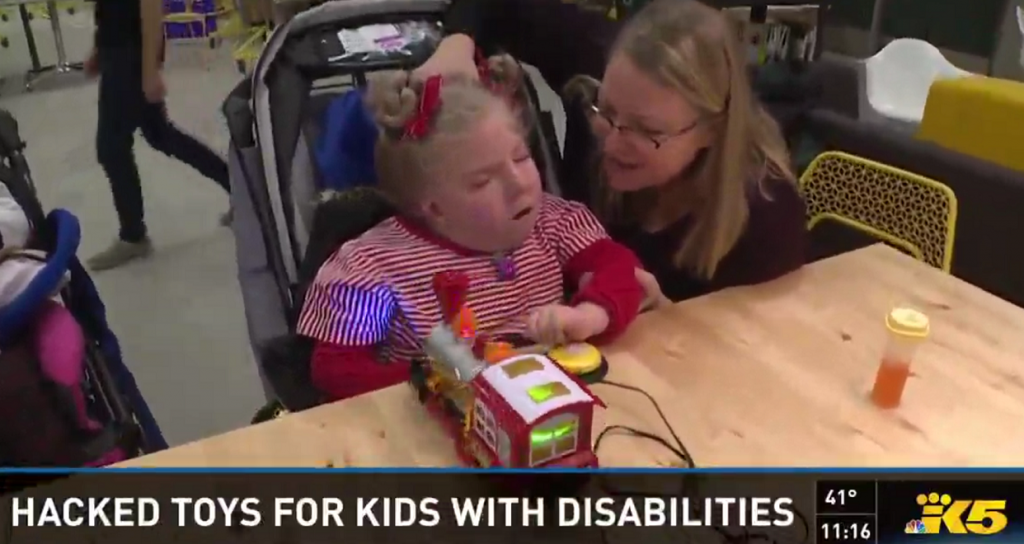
(505, 406)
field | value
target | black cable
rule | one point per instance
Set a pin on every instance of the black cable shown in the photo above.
(676, 446)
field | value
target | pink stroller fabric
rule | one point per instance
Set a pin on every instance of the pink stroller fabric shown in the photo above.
(60, 346)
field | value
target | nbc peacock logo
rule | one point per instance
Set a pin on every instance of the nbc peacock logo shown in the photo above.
(915, 527)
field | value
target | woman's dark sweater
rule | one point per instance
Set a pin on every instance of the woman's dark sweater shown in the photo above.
(563, 39)
(774, 244)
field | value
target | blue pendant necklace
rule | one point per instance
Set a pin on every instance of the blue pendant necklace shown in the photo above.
(505, 265)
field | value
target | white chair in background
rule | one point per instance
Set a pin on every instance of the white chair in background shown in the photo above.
(899, 76)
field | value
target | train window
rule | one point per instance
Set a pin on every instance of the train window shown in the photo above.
(484, 423)
(544, 392)
(554, 439)
(481, 427)
(523, 366)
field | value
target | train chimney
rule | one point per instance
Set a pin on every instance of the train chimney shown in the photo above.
(451, 288)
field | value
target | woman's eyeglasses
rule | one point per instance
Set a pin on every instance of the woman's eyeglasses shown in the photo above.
(638, 136)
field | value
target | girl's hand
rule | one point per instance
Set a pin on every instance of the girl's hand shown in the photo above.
(557, 324)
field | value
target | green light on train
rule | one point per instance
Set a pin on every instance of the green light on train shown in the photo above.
(543, 436)
(544, 392)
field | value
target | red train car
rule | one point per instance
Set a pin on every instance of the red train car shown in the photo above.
(516, 411)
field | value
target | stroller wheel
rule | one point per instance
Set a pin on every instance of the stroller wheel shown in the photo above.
(4, 17)
(71, 11)
(4, 42)
(273, 410)
(241, 66)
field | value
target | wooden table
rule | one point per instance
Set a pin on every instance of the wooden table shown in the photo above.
(772, 375)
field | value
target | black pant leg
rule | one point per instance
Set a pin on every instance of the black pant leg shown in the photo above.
(168, 139)
(121, 102)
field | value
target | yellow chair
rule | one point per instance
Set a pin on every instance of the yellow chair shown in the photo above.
(248, 52)
(978, 116)
(248, 39)
(911, 212)
(229, 22)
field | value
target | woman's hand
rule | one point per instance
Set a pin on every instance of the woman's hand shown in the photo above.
(557, 324)
(454, 55)
(653, 297)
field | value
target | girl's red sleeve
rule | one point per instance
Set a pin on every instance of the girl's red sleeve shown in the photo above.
(348, 310)
(342, 372)
(583, 247)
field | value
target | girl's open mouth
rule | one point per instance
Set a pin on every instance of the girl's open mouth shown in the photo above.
(523, 213)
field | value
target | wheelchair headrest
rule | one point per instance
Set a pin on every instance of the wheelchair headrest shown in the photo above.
(16, 315)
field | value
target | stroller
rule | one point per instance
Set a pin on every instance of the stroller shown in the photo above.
(283, 231)
(66, 397)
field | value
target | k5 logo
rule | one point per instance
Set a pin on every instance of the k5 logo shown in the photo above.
(984, 517)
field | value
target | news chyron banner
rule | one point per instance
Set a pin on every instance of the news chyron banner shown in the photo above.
(476, 507)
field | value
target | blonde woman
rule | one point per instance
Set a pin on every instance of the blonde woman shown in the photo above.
(690, 172)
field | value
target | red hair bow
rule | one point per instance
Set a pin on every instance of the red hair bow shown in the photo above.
(430, 101)
(483, 69)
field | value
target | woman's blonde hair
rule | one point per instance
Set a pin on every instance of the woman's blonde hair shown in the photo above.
(694, 49)
(404, 163)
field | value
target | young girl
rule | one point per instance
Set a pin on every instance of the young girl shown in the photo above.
(452, 159)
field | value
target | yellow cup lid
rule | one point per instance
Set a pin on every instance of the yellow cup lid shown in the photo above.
(907, 322)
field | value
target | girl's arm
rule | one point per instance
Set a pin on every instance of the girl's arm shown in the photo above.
(342, 372)
(613, 284)
(583, 248)
(348, 311)
(561, 39)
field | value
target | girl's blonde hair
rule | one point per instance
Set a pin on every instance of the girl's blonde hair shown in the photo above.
(405, 164)
(694, 49)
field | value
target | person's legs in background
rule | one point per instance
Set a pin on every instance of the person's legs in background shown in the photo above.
(122, 109)
(121, 104)
(168, 139)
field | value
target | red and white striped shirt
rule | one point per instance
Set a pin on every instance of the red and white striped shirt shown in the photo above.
(377, 290)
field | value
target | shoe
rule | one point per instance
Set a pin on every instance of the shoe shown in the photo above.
(119, 253)
(225, 220)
